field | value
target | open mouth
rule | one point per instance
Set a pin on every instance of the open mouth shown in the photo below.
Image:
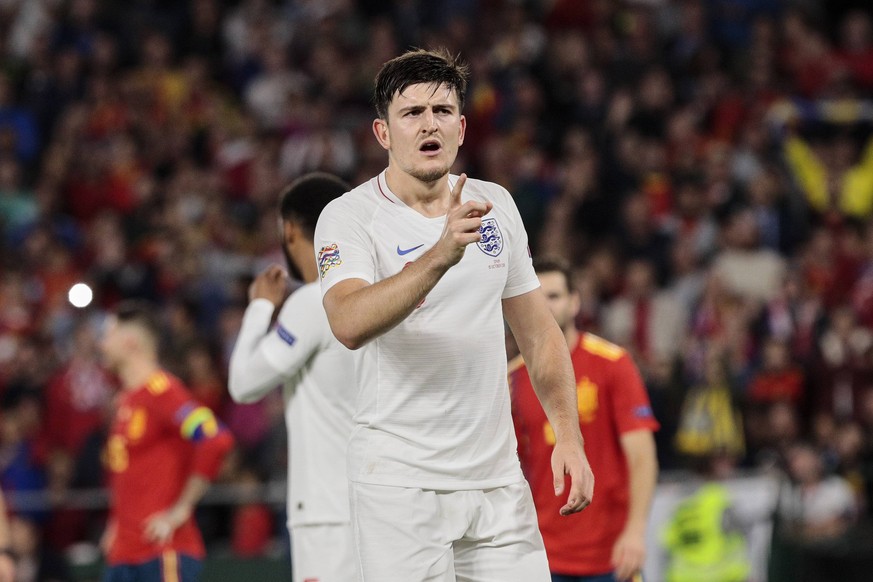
(430, 147)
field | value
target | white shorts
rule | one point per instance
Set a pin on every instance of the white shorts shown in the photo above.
(414, 535)
(323, 553)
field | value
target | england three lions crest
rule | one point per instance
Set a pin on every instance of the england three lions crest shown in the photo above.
(492, 239)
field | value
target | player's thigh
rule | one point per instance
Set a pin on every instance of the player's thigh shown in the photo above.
(324, 552)
(400, 534)
(505, 544)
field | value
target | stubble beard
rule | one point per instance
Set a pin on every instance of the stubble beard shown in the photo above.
(429, 176)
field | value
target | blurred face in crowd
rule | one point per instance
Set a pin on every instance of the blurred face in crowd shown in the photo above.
(639, 279)
(563, 303)
(121, 340)
(776, 355)
(742, 231)
(112, 343)
(423, 131)
(804, 464)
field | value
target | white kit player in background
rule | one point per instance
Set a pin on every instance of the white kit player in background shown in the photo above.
(319, 388)
(419, 269)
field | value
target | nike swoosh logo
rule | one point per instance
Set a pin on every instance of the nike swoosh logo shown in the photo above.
(402, 252)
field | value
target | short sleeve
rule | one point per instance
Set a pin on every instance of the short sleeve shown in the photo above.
(633, 410)
(343, 246)
(521, 277)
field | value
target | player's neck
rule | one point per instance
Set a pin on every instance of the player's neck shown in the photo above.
(302, 258)
(571, 334)
(137, 371)
(429, 198)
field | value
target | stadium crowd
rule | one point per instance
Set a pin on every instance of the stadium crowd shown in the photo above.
(705, 165)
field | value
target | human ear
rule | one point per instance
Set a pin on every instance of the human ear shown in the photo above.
(380, 130)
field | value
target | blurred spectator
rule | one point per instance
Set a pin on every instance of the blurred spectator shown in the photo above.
(252, 527)
(710, 426)
(688, 277)
(841, 366)
(815, 506)
(20, 469)
(36, 562)
(856, 47)
(269, 91)
(18, 206)
(639, 236)
(778, 378)
(19, 136)
(691, 222)
(834, 176)
(779, 221)
(861, 294)
(203, 378)
(318, 146)
(752, 272)
(648, 322)
(77, 395)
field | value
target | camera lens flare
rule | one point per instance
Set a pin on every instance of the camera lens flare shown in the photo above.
(80, 295)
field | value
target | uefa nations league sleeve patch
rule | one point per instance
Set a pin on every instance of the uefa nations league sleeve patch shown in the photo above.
(328, 258)
(285, 335)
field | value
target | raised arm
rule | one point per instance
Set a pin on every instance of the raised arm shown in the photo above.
(262, 357)
(548, 360)
(359, 311)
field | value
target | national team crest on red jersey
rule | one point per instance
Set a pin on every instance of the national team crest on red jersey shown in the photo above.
(492, 239)
(328, 258)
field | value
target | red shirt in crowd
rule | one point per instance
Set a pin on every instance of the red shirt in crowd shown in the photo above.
(612, 400)
(775, 386)
(160, 437)
(75, 399)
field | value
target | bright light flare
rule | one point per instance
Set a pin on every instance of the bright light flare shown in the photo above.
(80, 295)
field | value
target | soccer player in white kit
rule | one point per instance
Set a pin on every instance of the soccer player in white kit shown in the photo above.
(418, 269)
(319, 388)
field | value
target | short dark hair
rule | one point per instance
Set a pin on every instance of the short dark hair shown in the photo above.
(305, 198)
(142, 314)
(437, 67)
(554, 265)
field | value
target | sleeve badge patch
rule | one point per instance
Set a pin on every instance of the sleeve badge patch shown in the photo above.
(643, 412)
(285, 335)
(328, 258)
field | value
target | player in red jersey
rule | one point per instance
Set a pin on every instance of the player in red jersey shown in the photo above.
(164, 449)
(606, 542)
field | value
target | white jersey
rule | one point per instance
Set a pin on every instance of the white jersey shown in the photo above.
(319, 391)
(433, 407)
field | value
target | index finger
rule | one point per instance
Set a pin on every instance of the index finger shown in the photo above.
(456, 191)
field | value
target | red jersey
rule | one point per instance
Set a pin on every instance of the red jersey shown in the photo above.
(159, 437)
(612, 400)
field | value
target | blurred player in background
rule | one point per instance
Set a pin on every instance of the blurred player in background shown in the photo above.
(317, 373)
(418, 269)
(163, 450)
(607, 541)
